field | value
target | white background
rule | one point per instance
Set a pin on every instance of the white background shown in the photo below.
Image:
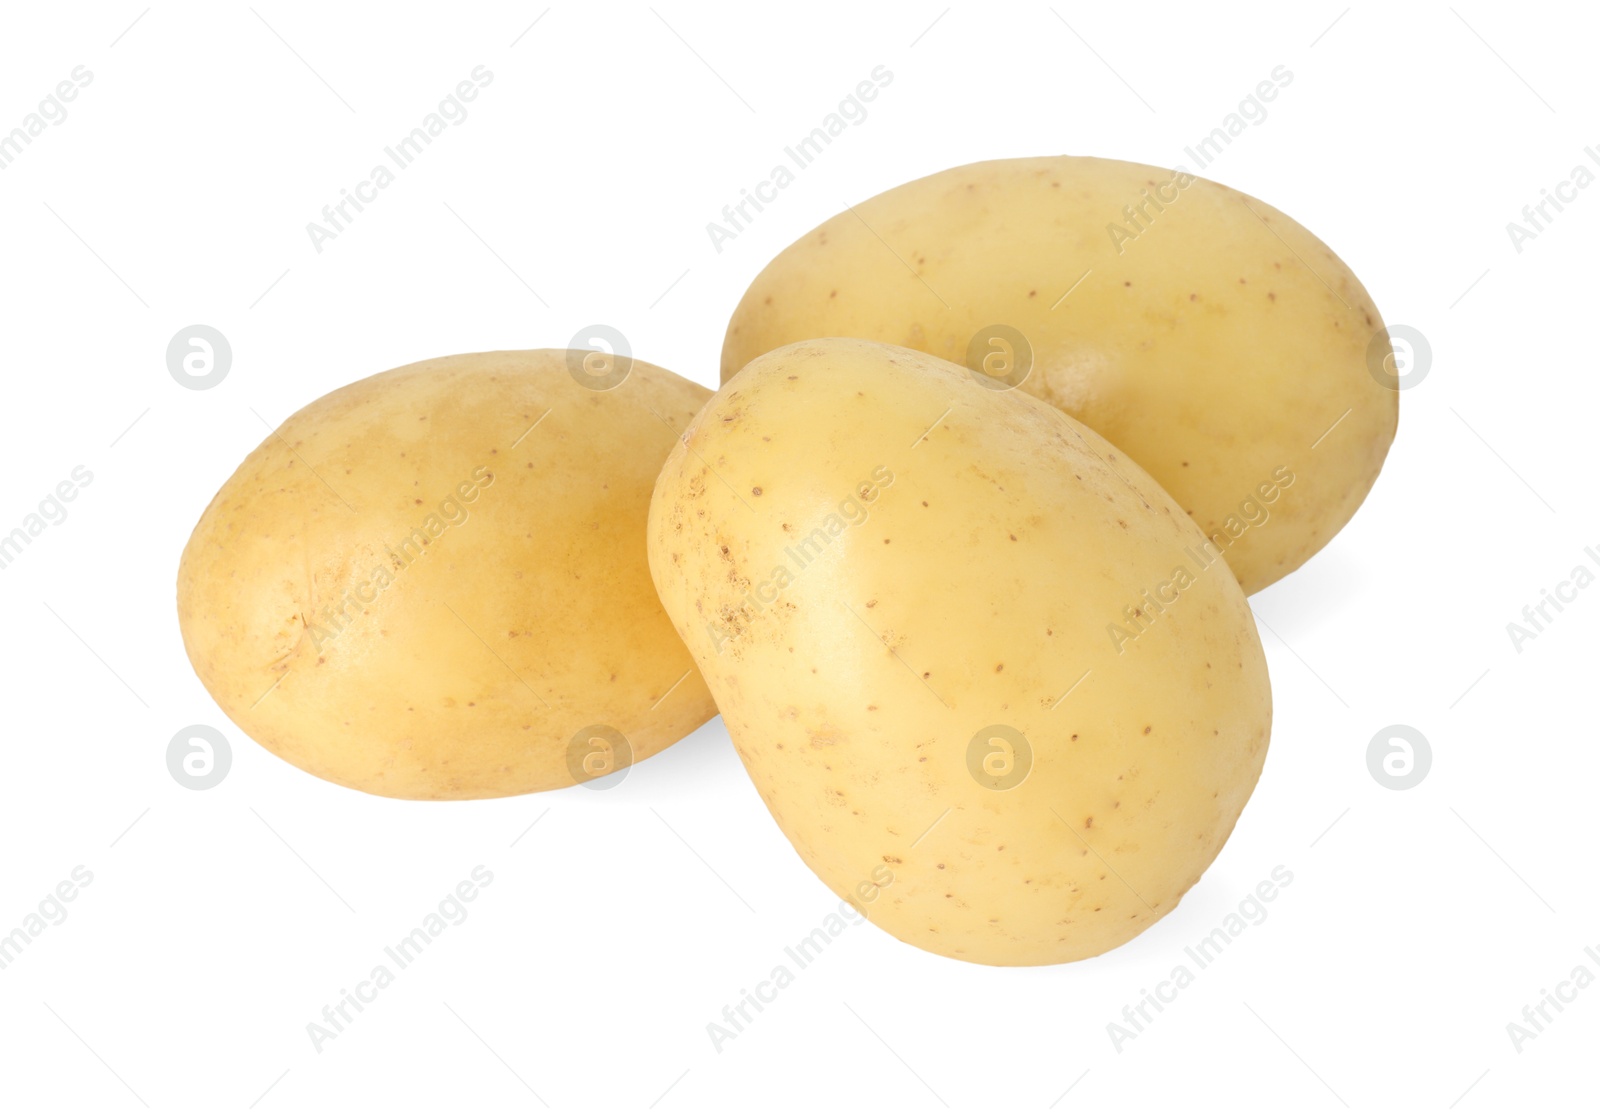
(177, 192)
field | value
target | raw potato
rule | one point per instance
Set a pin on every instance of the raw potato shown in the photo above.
(885, 570)
(432, 583)
(1215, 346)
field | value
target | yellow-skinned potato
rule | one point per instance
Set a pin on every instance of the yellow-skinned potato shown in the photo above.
(432, 583)
(1206, 334)
(983, 671)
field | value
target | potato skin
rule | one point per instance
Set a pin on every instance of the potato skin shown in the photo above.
(997, 542)
(460, 663)
(1206, 347)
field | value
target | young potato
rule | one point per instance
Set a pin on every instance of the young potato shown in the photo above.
(961, 642)
(1204, 333)
(432, 583)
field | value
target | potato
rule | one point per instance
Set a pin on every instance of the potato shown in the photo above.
(995, 687)
(432, 583)
(1204, 333)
